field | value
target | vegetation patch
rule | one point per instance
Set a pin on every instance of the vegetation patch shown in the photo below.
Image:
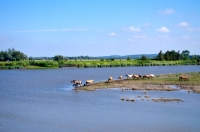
(167, 100)
(14, 59)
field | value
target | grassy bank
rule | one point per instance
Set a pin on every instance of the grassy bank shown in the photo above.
(124, 63)
(161, 83)
(38, 64)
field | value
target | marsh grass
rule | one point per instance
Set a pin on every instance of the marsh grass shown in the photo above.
(39, 67)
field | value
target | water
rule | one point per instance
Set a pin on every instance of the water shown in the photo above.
(43, 100)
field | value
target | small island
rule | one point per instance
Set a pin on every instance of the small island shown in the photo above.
(166, 82)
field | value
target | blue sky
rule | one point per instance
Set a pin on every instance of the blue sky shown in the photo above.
(99, 27)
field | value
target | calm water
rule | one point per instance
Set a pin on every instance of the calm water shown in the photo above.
(43, 100)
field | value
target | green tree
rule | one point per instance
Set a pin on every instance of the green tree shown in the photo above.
(173, 55)
(160, 56)
(178, 56)
(12, 55)
(58, 58)
(143, 57)
(167, 56)
(112, 59)
(185, 54)
(128, 59)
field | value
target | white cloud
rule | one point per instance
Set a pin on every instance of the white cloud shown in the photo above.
(113, 34)
(163, 29)
(193, 29)
(134, 29)
(185, 37)
(43, 30)
(183, 24)
(168, 11)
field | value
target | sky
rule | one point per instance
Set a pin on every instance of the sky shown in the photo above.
(99, 27)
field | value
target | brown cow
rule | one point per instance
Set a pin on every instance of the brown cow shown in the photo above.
(183, 78)
(147, 76)
(135, 76)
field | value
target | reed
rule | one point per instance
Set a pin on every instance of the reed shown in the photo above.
(96, 63)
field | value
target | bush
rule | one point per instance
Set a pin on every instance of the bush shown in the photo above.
(22, 63)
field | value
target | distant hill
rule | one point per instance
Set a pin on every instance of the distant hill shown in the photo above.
(131, 56)
(150, 56)
(115, 56)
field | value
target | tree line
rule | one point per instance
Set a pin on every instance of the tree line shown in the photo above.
(173, 55)
(15, 55)
(12, 55)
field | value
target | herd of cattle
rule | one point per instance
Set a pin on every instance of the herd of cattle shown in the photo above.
(133, 76)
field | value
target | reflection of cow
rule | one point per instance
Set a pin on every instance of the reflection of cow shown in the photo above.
(147, 76)
(129, 76)
(135, 76)
(110, 78)
(183, 78)
(87, 82)
(76, 82)
(120, 77)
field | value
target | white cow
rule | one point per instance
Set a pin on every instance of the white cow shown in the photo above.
(152, 75)
(87, 82)
(129, 76)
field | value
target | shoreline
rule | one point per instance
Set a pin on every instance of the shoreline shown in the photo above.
(10, 67)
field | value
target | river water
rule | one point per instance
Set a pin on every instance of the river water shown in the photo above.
(43, 100)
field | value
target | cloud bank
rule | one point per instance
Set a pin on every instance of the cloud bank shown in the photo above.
(183, 24)
(134, 29)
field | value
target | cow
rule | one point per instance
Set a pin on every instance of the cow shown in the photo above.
(76, 82)
(110, 78)
(183, 78)
(87, 82)
(135, 76)
(147, 76)
(129, 76)
(120, 77)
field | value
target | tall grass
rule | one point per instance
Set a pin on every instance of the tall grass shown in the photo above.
(94, 63)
